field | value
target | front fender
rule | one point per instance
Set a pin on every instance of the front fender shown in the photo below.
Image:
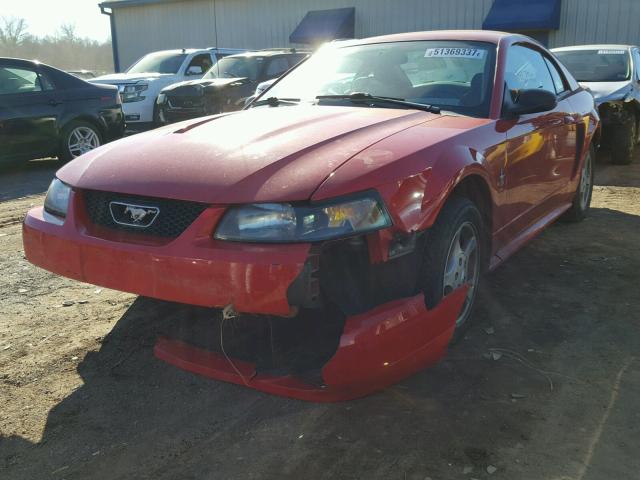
(415, 182)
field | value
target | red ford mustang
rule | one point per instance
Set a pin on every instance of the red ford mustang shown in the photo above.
(369, 188)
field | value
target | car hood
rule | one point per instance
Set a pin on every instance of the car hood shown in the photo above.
(117, 78)
(607, 91)
(191, 85)
(257, 155)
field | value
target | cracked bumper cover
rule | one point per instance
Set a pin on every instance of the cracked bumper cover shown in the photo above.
(377, 349)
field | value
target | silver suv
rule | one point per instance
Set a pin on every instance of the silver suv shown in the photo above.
(612, 74)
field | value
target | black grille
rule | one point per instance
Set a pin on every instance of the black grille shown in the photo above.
(173, 218)
(186, 102)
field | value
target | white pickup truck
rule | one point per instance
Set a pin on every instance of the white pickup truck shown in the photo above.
(140, 85)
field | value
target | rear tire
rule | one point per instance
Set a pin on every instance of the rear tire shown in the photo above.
(458, 229)
(78, 137)
(582, 199)
(623, 141)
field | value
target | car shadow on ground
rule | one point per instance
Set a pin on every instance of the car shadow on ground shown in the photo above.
(611, 175)
(492, 395)
(28, 178)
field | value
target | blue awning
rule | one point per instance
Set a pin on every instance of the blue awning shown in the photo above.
(523, 15)
(323, 25)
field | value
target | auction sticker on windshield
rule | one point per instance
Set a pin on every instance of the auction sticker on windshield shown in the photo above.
(455, 53)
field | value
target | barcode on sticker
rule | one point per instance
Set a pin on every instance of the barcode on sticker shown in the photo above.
(456, 53)
(611, 52)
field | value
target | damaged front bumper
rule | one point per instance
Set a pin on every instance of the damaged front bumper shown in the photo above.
(385, 332)
(376, 349)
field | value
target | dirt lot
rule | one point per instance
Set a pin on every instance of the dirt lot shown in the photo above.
(83, 397)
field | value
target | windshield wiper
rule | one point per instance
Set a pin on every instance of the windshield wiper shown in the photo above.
(275, 101)
(367, 97)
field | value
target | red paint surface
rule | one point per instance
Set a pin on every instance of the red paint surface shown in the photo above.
(191, 269)
(377, 349)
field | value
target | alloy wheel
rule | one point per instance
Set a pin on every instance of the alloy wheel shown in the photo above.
(81, 140)
(585, 182)
(462, 266)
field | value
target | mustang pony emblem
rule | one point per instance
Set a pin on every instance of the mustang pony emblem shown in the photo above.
(137, 214)
(133, 215)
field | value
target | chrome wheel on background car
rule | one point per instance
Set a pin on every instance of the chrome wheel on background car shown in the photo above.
(462, 266)
(81, 140)
(78, 137)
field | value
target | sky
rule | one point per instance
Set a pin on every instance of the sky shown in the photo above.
(45, 16)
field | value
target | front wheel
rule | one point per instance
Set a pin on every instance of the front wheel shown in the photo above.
(78, 137)
(582, 199)
(453, 257)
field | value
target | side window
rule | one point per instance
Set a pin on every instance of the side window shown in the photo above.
(18, 80)
(636, 62)
(556, 76)
(45, 82)
(277, 66)
(526, 69)
(199, 64)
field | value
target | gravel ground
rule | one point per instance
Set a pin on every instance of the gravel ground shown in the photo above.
(546, 385)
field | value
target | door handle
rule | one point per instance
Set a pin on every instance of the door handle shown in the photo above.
(54, 103)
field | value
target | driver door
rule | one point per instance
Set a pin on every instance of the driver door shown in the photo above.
(540, 147)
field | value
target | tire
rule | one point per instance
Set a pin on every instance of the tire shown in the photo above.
(623, 141)
(459, 219)
(582, 199)
(156, 116)
(71, 135)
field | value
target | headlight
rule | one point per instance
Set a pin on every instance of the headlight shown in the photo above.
(287, 223)
(57, 199)
(132, 93)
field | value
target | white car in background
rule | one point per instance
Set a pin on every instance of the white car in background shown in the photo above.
(140, 85)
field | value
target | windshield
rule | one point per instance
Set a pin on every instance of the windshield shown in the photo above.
(606, 65)
(160, 62)
(453, 75)
(236, 67)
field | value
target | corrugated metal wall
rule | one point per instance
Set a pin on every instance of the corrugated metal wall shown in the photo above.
(597, 21)
(268, 23)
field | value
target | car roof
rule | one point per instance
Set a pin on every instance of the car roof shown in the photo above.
(270, 53)
(489, 36)
(20, 61)
(178, 50)
(598, 46)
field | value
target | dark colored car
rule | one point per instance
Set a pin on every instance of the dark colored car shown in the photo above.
(612, 74)
(47, 112)
(83, 74)
(226, 86)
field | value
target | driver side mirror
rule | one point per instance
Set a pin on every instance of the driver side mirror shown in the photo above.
(535, 100)
(194, 70)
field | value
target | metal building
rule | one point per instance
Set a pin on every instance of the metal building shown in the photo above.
(142, 26)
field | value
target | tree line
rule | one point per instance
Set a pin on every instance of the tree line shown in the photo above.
(64, 50)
